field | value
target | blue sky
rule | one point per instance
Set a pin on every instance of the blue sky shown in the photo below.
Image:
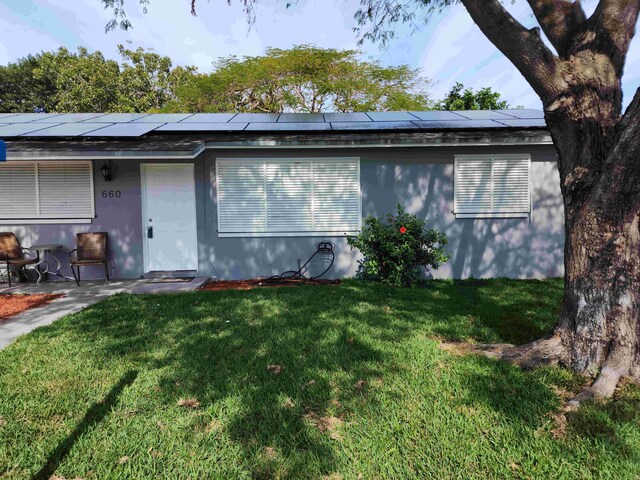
(449, 49)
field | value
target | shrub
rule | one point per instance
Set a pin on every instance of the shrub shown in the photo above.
(398, 248)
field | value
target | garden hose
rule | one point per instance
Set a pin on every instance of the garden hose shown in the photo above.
(297, 276)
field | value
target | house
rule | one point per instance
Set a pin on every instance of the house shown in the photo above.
(243, 195)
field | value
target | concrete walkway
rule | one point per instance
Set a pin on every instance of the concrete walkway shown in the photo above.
(75, 299)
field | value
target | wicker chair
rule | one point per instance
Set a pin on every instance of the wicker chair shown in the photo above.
(12, 255)
(91, 251)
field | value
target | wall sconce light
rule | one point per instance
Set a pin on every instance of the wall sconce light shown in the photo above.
(106, 171)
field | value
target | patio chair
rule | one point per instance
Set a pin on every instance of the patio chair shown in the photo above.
(12, 254)
(91, 251)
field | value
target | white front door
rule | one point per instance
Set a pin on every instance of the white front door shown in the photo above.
(169, 217)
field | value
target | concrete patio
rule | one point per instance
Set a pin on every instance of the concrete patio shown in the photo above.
(76, 298)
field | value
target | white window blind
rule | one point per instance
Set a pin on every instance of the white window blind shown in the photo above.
(46, 190)
(492, 186)
(265, 197)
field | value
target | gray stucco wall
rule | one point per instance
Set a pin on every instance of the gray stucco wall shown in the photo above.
(420, 179)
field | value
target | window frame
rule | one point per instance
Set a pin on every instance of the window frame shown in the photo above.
(40, 219)
(307, 233)
(493, 213)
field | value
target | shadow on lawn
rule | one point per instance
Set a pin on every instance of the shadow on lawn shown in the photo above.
(94, 415)
(295, 358)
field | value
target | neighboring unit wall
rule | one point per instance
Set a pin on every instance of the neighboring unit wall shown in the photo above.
(120, 217)
(421, 179)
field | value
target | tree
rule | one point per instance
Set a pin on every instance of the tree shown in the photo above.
(578, 79)
(148, 81)
(302, 79)
(460, 98)
(82, 82)
(21, 89)
(63, 81)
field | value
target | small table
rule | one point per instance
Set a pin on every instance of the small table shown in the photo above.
(44, 251)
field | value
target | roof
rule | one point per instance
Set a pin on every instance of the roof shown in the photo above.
(81, 126)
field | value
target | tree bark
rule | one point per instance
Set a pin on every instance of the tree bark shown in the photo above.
(600, 178)
(599, 324)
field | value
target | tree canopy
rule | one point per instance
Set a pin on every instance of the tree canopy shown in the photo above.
(460, 98)
(303, 79)
(63, 81)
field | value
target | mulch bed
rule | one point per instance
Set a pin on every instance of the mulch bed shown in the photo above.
(252, 283)
(12, 304)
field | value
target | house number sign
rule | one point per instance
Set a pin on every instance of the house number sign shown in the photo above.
(111, 194)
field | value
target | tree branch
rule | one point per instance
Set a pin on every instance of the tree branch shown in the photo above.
(559, 20)
(613, 23)
(621, 170)
(523, 47)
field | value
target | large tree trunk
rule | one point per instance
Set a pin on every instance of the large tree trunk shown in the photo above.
(599, 324)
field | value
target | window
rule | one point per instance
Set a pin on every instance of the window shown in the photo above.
(288, 197)
(37, 191)
(496, 186)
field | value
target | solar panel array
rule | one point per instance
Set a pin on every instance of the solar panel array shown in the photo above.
(98, 125)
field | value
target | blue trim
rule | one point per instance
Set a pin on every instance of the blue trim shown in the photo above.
(3, 151)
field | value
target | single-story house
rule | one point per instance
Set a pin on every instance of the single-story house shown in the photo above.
(237, 196)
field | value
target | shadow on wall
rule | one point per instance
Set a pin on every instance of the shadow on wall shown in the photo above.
(517, 247)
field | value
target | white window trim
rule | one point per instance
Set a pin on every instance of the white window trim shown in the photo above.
(54, 219)
(306, 233)
(494, 214)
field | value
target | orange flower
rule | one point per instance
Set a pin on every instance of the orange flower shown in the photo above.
(403, 229)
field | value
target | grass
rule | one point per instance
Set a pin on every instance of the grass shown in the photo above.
(309, 382)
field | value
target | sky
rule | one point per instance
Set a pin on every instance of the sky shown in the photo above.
(449, 49)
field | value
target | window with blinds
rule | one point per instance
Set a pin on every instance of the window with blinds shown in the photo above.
(288, 197)
(46, 190)
(496, 186)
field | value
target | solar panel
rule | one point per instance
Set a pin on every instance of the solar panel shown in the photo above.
(16, 129)
(120, 117)
(523, 113)
(255, 117)
(347, 117)
(33, 117)
(301, 117)
(124, 130)
(72, 117)
(209, 117)
(200, 127)
(262, 126)
(391, 116)
(373, 126)
(64, 130)
(163, 117)
(524, 123)
(437, 115)
(482, 114)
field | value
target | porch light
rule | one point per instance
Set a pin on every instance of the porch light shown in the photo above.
(106, 172)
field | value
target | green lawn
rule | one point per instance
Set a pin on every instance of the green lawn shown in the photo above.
(310, 382)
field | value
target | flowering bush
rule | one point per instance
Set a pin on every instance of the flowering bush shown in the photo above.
(398, 248)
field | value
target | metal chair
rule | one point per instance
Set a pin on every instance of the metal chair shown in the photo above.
(91, 251)
(12, 254)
